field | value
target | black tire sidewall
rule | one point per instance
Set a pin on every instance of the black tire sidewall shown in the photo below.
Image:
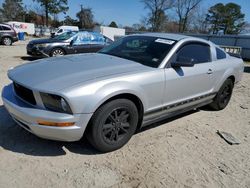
(95, 134)
(229, 83)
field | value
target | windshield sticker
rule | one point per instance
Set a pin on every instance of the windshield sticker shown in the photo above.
(155, 59)
(165, 41)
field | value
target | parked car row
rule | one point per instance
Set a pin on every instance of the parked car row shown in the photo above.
(72, 42)
(62, 43)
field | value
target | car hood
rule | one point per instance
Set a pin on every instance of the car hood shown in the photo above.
(44, 41)
(54, 74)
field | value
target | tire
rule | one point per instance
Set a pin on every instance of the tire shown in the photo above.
(112, 125)
(7, 41)
(57, 52)
(223, 97)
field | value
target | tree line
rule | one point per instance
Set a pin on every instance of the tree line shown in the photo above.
(189, 17)
(162, 16)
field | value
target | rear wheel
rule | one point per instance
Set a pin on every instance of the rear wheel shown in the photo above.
(7, 41)
(57, 52)
(113, 125)
(223, 97)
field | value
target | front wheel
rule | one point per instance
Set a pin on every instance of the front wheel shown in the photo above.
(112, 125)
(57, 52)
(223, 97)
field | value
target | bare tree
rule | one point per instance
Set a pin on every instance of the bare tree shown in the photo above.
(183, 10)
(199, 21)
(157, 17)
(53, 7)
(86, 18)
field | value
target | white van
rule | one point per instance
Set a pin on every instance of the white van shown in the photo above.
(63, 29)
(28, 28)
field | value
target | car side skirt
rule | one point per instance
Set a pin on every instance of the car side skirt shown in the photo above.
(176, 109)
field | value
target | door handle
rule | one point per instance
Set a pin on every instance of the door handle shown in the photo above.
(210, 71)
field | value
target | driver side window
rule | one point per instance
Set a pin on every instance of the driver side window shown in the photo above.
(60, 31)
(194, 53)
(82, 38)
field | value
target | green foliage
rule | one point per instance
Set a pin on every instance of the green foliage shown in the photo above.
(69, 21)
(53, 7)
(86, 18)
(12, 10)
(227, 18)
(113, 24)
(30, 16)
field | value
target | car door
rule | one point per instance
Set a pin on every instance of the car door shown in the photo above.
(82, 48)
(184, 83)
(81, 42)
(97, 42)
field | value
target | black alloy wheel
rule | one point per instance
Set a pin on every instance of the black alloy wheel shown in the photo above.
(223, 96)
(116, 125)
(112, 125)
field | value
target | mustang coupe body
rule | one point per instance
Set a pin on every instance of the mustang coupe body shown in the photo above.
(137, 80)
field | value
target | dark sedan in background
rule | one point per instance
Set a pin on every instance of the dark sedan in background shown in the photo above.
(68, 43)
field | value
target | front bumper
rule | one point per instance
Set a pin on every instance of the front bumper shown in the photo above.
(26, 116)
(34, 51)
(14, 39)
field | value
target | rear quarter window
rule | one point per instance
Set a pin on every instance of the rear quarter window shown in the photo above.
(220, 54)
(5, 28)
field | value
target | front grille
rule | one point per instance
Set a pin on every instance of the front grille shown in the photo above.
(30, 45)
(25, 93)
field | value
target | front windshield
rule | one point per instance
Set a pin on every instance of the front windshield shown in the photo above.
(149, 51)
(65, 36)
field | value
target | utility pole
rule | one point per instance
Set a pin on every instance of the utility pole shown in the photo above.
(81, 16)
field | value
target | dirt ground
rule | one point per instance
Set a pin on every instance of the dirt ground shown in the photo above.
(181, 152)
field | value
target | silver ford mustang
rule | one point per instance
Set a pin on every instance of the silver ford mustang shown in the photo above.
(138, 80)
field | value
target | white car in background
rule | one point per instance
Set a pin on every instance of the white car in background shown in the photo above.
(64, 29)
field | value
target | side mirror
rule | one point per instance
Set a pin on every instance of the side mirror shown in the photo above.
(52, 35)
(71, 43)
(179, 64)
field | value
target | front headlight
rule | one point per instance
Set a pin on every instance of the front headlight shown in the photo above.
(55, 103)
(41, 45)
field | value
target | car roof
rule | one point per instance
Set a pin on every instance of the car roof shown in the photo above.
(5, 24)
(171, 36)
(175, 37)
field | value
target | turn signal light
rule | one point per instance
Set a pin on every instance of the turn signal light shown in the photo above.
(55, 124)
